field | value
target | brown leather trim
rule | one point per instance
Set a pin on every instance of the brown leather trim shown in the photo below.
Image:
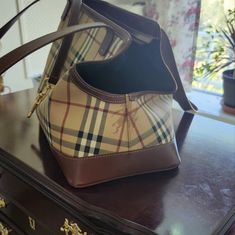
(104, 95)
(66, 10)
(87, 171)
(106, 44)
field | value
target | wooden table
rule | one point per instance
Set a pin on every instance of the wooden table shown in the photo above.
(196, 199)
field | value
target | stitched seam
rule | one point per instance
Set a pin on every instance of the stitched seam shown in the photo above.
(110, 155)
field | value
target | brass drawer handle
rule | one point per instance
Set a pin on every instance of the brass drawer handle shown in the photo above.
(2, 203)
(4, 230)
(71, 228)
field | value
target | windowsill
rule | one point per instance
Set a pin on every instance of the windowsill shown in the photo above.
(209, 105)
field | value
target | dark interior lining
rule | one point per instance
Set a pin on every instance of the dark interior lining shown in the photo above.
(139, 68)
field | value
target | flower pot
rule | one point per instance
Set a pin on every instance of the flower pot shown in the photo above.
(229, 88)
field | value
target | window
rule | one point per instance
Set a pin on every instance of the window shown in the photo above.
(212, 14)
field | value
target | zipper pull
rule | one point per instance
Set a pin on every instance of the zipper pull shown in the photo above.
(39, 99)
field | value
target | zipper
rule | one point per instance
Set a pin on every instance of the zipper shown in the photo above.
(46, 87)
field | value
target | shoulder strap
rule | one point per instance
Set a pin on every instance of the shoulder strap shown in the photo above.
(9, 24)
(19, 53)
(169, 59)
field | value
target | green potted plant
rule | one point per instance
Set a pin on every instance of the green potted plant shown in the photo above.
(220, 47)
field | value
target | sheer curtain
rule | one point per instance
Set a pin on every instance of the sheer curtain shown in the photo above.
(180, 20)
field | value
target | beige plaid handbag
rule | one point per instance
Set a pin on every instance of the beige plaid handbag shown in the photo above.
(105, 100)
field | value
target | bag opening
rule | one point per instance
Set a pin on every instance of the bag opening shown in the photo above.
(139, 68)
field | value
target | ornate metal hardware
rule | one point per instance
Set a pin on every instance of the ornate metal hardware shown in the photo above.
(2, 203)
(71, 228)
(46, 87)
(32, 223)
(4, 230)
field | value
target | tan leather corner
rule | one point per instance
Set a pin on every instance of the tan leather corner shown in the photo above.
(87, 171)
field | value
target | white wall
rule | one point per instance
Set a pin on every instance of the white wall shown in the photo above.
(41, 19)
(15, 77)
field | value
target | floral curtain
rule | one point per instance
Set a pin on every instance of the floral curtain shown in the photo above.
(180, 20)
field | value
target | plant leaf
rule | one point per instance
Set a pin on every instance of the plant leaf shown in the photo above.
(228, 37)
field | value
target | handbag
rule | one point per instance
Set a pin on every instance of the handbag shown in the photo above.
(105, 102)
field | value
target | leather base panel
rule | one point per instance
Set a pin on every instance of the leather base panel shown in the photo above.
(87, 171)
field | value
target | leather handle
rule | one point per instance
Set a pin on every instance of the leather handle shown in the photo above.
(169, 59)
(69, 5)
(19, 53)
(10, 23)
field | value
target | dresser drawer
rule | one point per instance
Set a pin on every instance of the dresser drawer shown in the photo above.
(7, 227)
(37, 214)
(22, 218)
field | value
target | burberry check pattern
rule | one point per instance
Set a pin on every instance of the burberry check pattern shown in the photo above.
(85, 46)
(78, 124)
